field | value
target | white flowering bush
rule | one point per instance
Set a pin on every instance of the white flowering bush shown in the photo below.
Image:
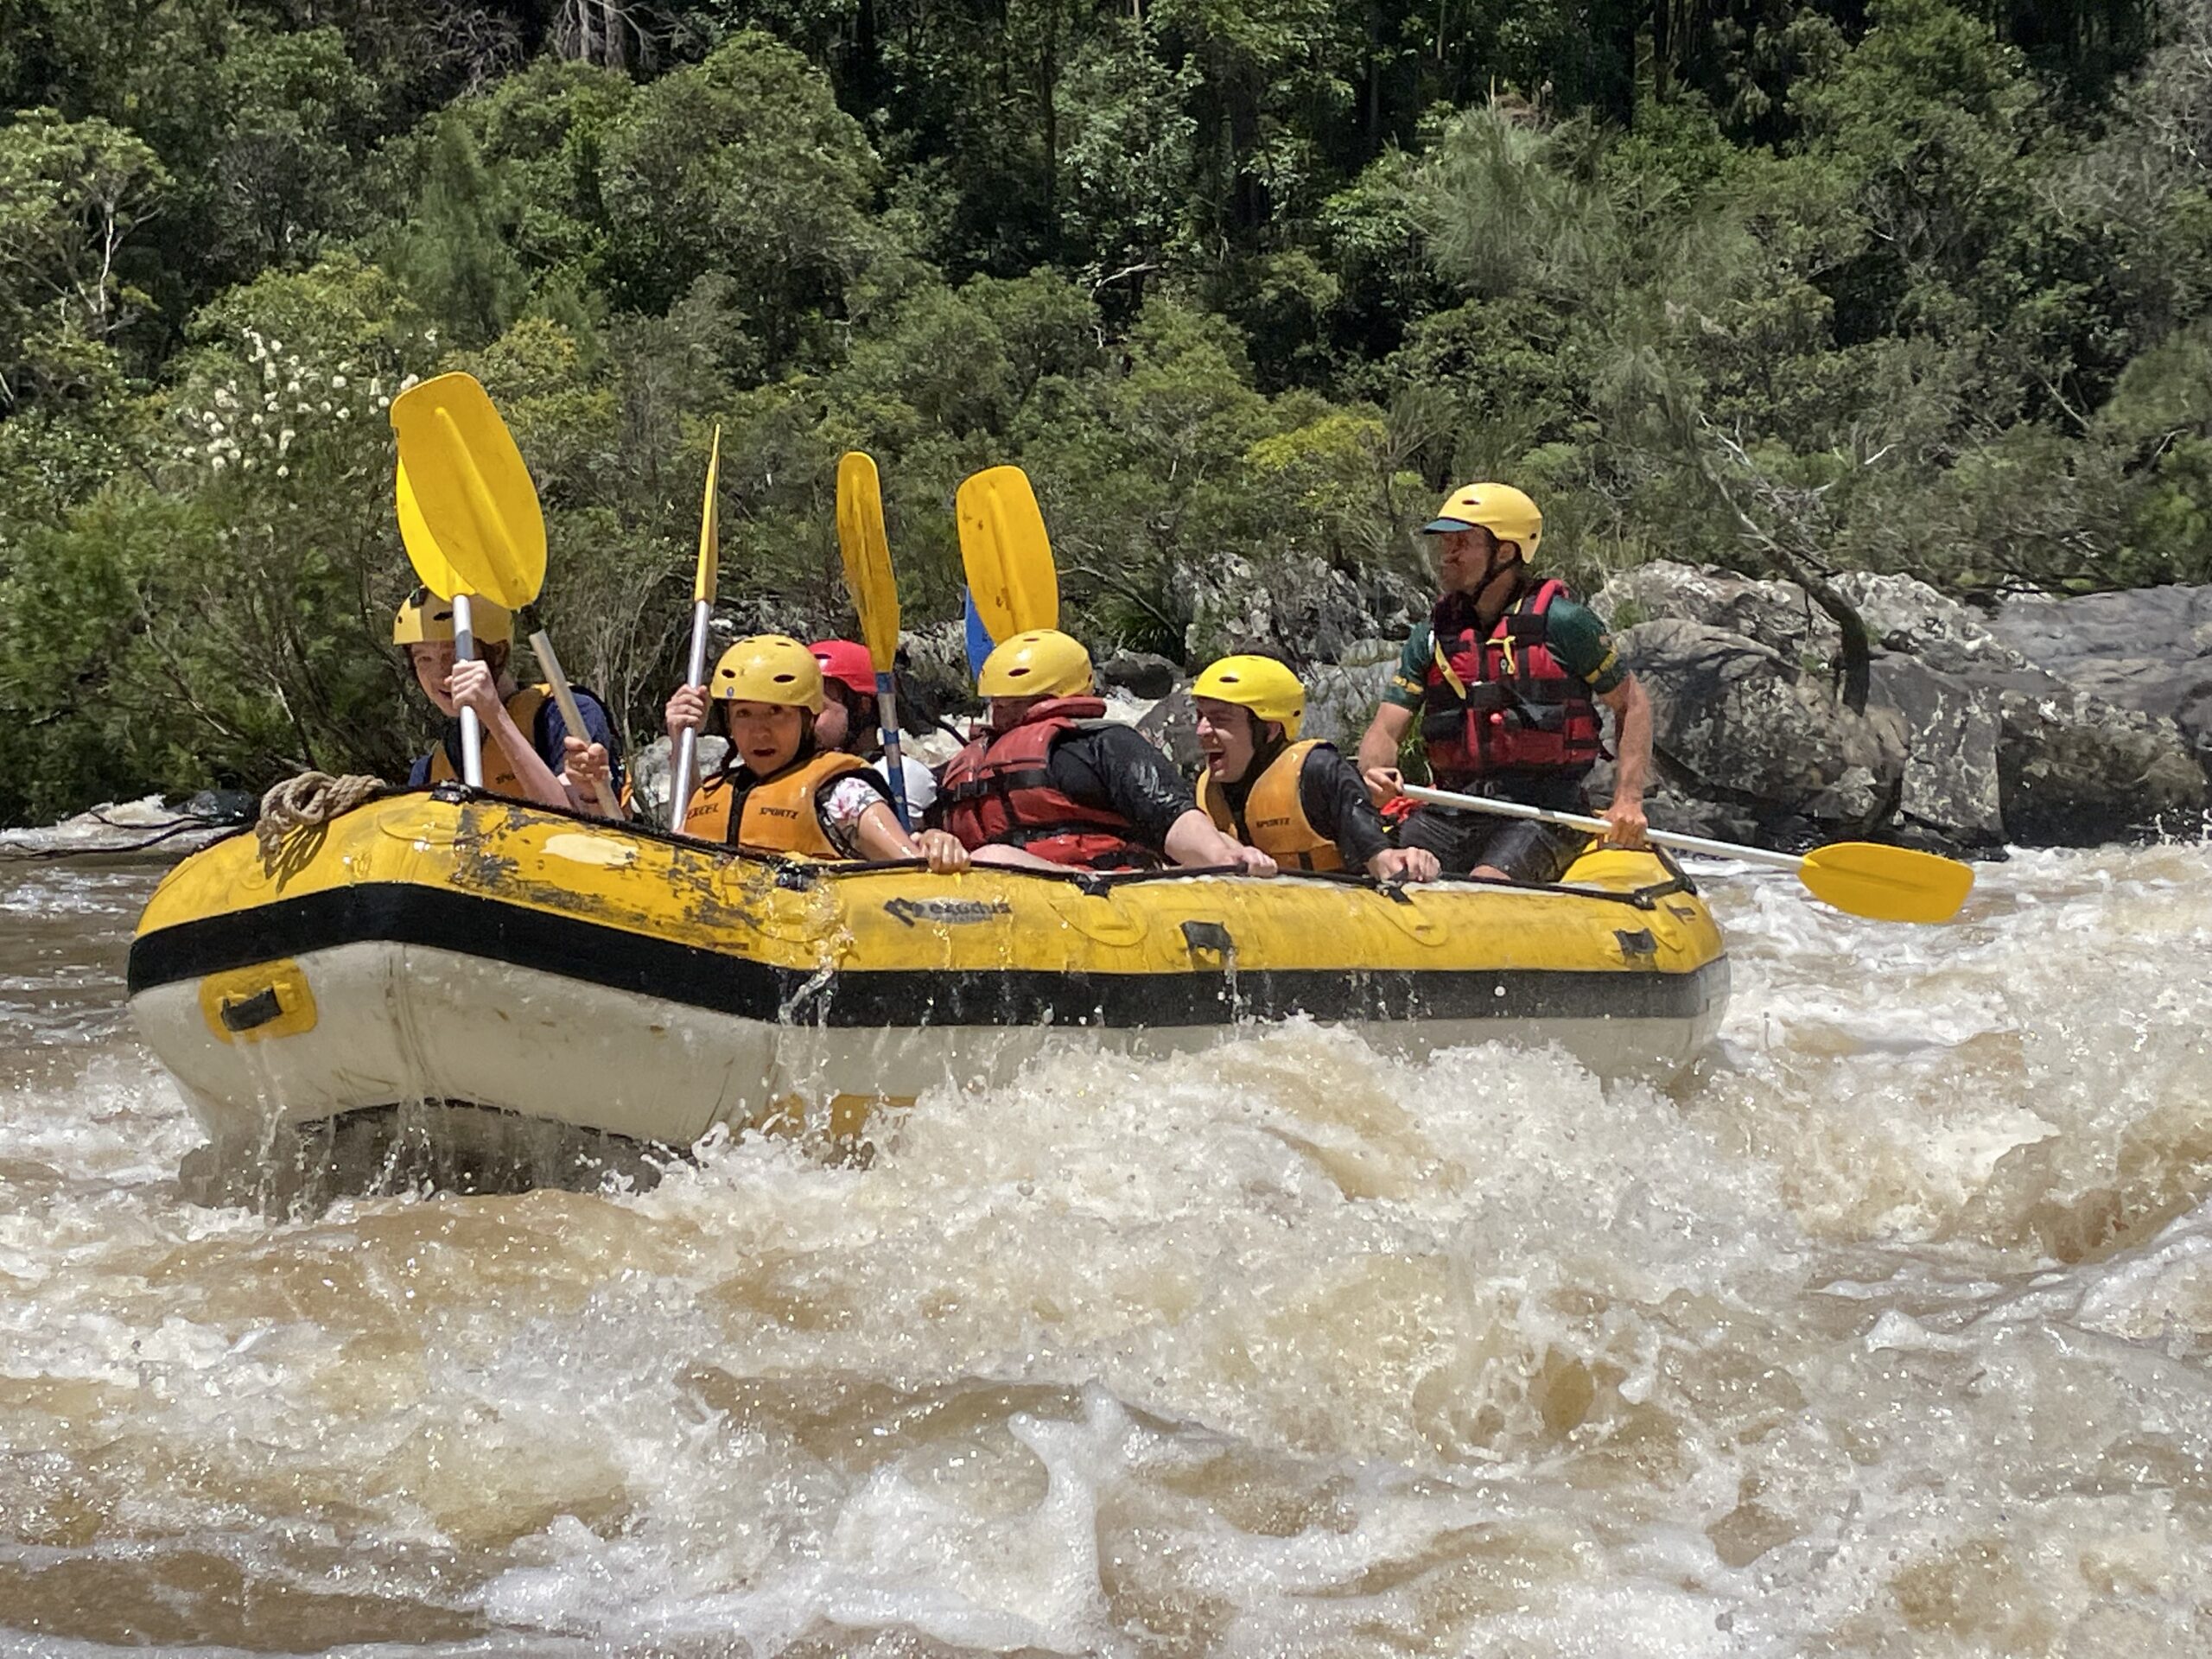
(236, 611)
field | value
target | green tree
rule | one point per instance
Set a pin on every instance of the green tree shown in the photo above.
(72, 196)
(744, 165)
(452, 252)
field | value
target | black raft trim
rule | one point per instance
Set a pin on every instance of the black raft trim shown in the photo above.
(399, 914)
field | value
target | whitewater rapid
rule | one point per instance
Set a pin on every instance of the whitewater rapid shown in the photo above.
(1883, 1332)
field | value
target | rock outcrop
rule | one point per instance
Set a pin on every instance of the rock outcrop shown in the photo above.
(2149, 650)
(1765, 743)
(129, 832)
(651, 773)
(2021, 729)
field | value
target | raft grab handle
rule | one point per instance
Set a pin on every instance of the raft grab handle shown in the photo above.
(1210, 939)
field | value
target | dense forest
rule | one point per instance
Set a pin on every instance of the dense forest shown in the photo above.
(1243, 283)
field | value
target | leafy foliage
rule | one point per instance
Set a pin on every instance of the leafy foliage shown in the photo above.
(1243, 283)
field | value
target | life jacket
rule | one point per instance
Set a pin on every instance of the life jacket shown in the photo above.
(1274, 819)
(1503, 703)
(775, 814)
(527, 709)
(998, 791)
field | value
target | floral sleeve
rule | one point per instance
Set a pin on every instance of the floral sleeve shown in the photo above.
(842, 806)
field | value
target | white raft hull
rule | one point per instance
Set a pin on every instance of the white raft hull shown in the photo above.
(397, 1024)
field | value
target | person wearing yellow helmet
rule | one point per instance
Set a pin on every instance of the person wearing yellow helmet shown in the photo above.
(529, 753)
(1051, 781)
(1298, 801)
(778, 790)
(1507, 680)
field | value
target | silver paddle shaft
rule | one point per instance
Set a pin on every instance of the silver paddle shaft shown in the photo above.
(687, 745)
(1669, 838)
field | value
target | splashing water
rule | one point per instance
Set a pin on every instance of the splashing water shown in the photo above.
(1884, 1332)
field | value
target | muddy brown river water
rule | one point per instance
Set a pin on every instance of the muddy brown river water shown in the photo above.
(1887, 1331)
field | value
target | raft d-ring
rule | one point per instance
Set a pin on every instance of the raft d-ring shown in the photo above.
(1098, 917)
(1408, 914)
(251, 1005)
(1210, 945)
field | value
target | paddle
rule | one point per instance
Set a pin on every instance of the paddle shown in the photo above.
(1006, 553)
(974, 638)
(475, 499)
(1889, 884)
(432, 570)
(702, 607)
(866, 553)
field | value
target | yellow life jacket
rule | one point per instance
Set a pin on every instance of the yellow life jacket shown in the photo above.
(499, 777)
(1275, 818)
(778, 814)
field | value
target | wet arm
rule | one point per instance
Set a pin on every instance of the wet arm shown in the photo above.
(529, 766)
(1631, 738)
(1194, 841)
(1336, 804)
(1378, 747)
(881, 839)
(1132, 777)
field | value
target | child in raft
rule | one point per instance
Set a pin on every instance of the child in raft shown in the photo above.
(779, 791)
(849, 720)
(530, 754)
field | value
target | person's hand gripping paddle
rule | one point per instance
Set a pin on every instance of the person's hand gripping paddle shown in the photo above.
(464, 489)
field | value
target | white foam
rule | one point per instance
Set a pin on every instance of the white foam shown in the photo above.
(1884, 1332)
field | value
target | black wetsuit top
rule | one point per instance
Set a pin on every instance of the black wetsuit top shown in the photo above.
(1332, 795)
(1116, 767)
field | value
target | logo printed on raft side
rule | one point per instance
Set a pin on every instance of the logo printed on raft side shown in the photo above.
(952, 911)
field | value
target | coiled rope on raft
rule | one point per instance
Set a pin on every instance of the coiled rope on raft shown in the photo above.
(306, 802)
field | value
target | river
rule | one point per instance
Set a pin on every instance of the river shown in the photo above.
(1886, 1331)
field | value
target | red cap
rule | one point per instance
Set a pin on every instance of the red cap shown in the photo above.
(846, 663)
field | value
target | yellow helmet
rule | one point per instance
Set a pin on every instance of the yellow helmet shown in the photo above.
(424, 618)
(1498, 508)
(770, 667)
(1043, 663)
(1259, 683)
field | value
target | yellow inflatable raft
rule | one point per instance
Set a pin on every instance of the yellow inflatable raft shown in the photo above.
(446, 946)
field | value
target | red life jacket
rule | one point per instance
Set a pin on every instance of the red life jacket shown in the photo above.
(997, 791)
(1516, 709)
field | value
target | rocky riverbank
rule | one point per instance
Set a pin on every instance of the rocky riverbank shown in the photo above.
(2046, 722)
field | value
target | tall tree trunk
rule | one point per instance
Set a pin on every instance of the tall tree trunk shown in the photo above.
(1800, 563)
(1374, 145)
(868, 59)
(1048, 109)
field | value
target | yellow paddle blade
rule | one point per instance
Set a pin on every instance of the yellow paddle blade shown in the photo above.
(1890, 884)
(866, 553)
(431, 568)
(474, 494)
(1006, 555)
(710, 527)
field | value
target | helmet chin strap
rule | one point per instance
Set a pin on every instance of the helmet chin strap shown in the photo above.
(1267, 744)
(1493, 567)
